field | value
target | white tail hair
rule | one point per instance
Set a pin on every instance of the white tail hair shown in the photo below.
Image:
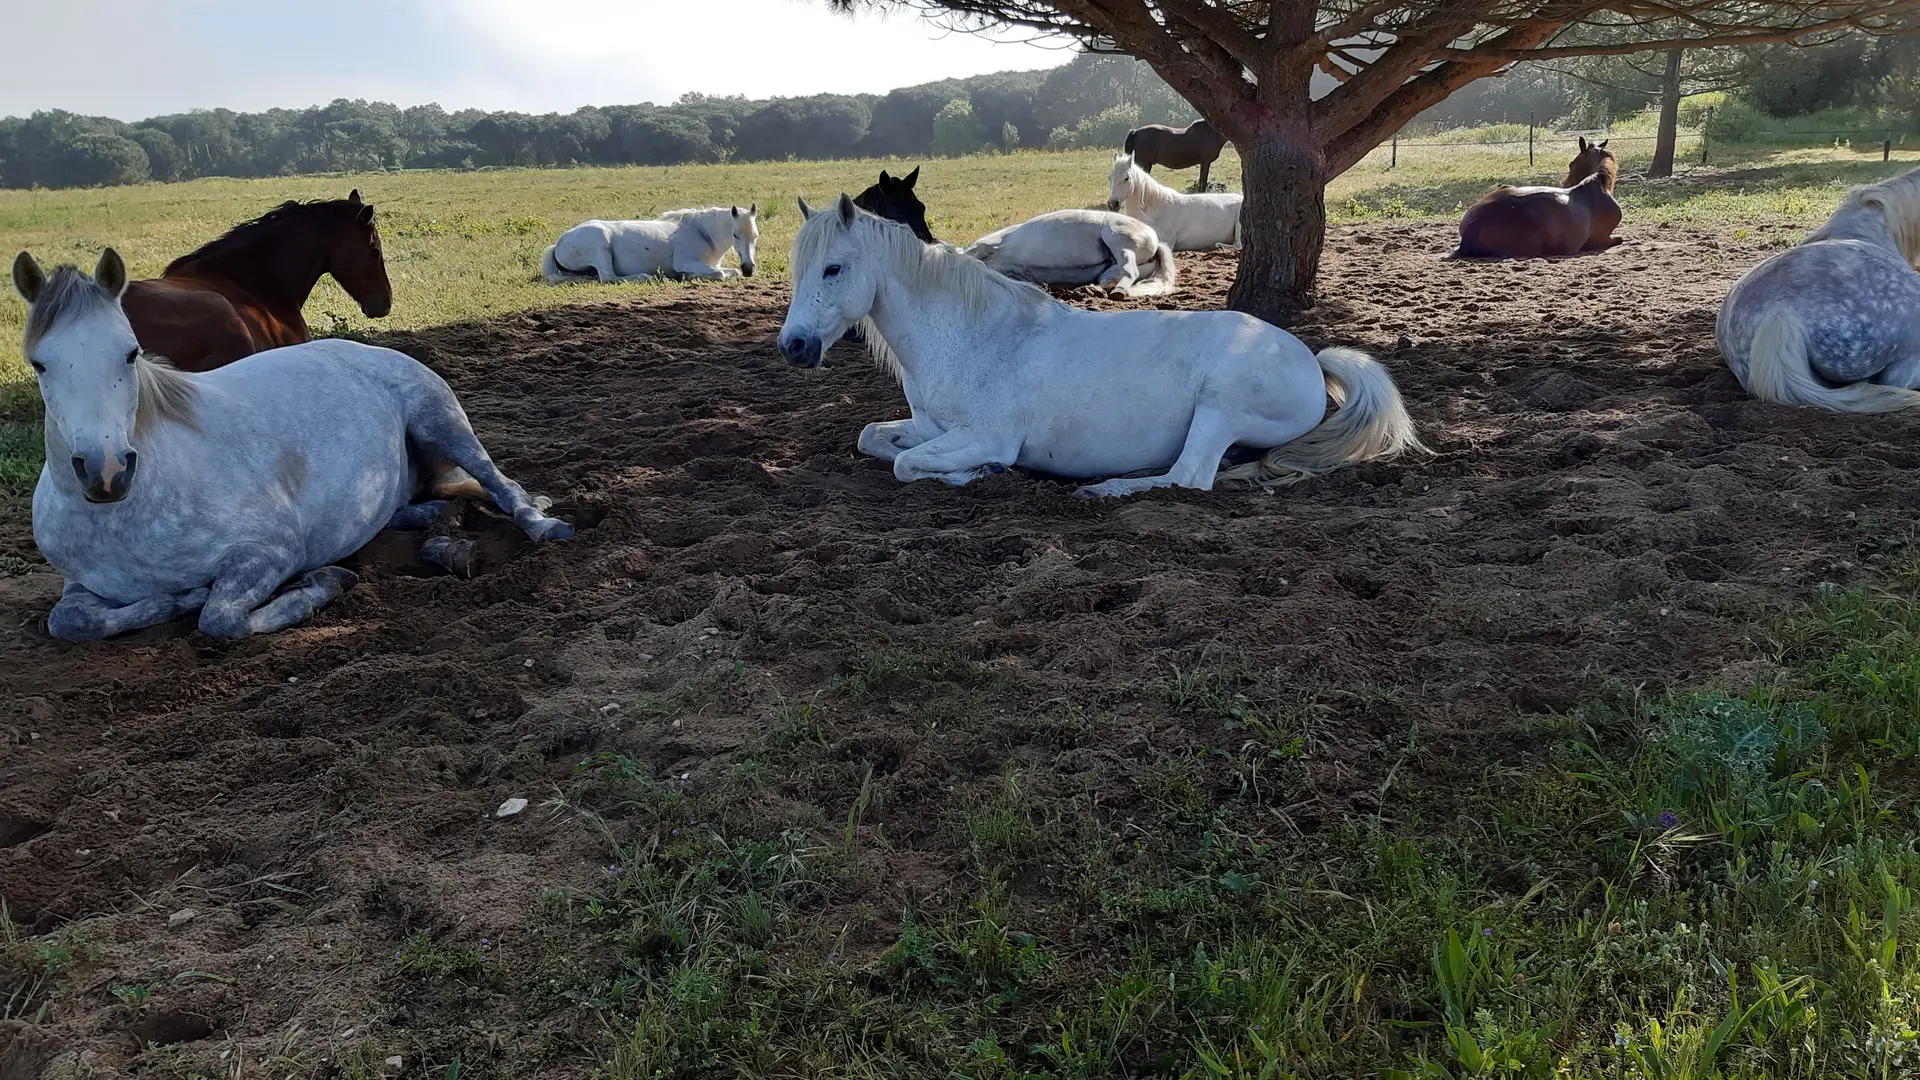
(1778, 371)
(1164, 278)
(555, 274)
(1369, 424)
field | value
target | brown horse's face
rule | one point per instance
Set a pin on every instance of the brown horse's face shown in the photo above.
(1591, 158)
(358, 264)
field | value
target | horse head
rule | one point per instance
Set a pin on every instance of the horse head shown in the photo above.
(1592, 158)
(86, 360)
(356, 261)
(893, 198)
(746, 236)
(1119, 182)
(836, 270)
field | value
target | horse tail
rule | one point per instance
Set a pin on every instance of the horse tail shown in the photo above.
(1778, 370)
(1165, 276)
(1128, 145)
(1369, 423)
(554, 273)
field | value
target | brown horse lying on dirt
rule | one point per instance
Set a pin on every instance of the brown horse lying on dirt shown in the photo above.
(243, 293)
(1176, 148)
(1529, 222)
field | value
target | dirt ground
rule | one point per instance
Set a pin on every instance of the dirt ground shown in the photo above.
(1606, 509)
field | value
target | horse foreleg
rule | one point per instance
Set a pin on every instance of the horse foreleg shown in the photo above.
(82, 615)
(1204, 166)
(955, 457)
(438, 422)
(242, 601)
(1212, 433)
(689, 266)
(418, 516)
(889, 439)
(1125, 271)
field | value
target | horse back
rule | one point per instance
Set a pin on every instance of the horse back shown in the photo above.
(1519, 223)
(195, 325)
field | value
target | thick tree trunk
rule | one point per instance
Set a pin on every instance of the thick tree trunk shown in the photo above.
(1669, 118)
(1283, 221)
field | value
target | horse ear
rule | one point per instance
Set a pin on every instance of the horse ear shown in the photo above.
(1583, 143)
(1604, 142)
(846, 209)
(805, 210)
(365, 214)
(909, 179)
(354, 196)
(754, 209)
(110, 273)
(28, 278)
(884, 178)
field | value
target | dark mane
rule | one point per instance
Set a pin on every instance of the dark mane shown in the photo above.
(242, 237)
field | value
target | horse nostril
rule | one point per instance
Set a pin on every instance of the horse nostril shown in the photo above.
(80, 468)
(132, 459)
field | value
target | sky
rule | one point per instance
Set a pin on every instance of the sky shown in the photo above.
(131, 59)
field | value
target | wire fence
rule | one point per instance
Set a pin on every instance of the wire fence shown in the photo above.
(1550, 148)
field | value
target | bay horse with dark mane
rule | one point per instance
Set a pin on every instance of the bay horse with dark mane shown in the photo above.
(1531, 222)
(242, 293)
(1176, 148)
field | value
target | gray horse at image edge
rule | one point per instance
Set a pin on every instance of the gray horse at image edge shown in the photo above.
(1835, 322)
(165, 493)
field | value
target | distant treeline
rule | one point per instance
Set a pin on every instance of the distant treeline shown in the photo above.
(1090, 101)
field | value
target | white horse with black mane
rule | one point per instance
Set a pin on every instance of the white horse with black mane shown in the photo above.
(678, 243)
(1187, 222)
(166, 493)
(1107, 251)
(1835, 322)
(998, 373)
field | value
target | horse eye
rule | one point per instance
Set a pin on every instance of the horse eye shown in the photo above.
(832, 271)
(38, 367)
(134, 355)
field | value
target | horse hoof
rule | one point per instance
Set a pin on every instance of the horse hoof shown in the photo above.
(453, 556)
(994, 467)
(555, 529)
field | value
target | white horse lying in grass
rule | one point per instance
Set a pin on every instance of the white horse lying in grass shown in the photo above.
(1187, 222)
(678, 243)
(998, 373)
(1082, 247)
(165, 493)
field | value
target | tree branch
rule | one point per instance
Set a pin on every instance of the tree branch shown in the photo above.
(1757, 36)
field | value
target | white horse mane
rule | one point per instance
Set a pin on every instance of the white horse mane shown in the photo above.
(1141, 186)
(165, 392)
(922, 266)
(698, 212)
(1899, 203)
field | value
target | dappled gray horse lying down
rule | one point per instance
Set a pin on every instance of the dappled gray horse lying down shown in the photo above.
(1835, 322)
(166, 493)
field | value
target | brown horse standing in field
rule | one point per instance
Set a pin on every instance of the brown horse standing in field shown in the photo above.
(1529, 222)
(243, 293)
(1176, 148)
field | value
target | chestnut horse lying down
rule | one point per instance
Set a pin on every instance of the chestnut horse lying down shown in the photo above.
(242, 293)
(1529, 222)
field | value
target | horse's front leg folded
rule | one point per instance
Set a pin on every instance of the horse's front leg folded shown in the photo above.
(687, 266)
(1213, 431)
(86, 616)
(889, 439)
(956, 457)
(243, 600)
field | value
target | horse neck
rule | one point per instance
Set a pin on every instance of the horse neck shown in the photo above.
(1864, 223)
(923, 326)
(279, 274)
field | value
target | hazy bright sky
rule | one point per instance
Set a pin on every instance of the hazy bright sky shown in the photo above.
(136, 58)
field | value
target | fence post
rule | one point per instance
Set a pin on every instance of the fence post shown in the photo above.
(1886, 148)
(1529, 140)
(1707, 123)
(1394, 161)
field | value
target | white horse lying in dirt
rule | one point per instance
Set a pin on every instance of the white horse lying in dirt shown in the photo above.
(166, 493)
(1082, 247)
(998, 373)
(678, 243)
(1187, 222)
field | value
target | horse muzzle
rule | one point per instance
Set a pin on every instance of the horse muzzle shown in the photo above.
(746, 269)
(377, 309)
(801, 350)
(104, 483)
(1112, 206)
